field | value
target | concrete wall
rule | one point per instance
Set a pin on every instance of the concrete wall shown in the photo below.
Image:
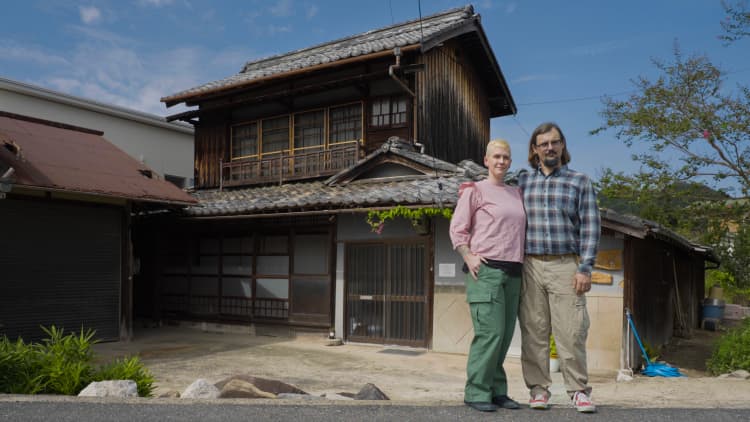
(165, 147)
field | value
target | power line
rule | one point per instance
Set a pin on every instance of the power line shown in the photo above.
(570, 100)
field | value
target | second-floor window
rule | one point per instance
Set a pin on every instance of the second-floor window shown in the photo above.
(245, 140)
(309, 129)
(345, 123)
(275, 134)
(299, 132)
(388, 112)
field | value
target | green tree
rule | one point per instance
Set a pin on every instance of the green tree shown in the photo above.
(693, 128)
(663, 199)
(737, 23)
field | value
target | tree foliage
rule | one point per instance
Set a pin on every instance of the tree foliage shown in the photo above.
(737, 23)
(693, 127)
(662, 199)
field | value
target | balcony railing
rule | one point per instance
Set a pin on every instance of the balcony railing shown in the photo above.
(287, 166)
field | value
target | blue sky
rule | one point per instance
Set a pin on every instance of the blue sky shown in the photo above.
(559, 57)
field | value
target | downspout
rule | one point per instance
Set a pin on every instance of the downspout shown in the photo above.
(392, 74)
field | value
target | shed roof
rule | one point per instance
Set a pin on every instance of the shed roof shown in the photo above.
(425, 33)
(55, 156)
(643, 228)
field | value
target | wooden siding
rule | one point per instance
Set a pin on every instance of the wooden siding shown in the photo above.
(453, 115)
(211, 144)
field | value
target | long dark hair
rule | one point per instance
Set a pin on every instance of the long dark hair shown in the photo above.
(544, 128)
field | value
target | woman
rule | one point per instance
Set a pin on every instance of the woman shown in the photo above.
(488, 229)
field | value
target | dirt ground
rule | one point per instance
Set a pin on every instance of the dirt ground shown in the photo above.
(178, 356)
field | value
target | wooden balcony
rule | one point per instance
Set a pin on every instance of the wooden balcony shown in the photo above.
(287, 166)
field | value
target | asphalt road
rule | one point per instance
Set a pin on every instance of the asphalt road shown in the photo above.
(105, 412)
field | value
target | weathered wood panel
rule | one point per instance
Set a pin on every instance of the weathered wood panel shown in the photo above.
(453, 115)
(211, 146)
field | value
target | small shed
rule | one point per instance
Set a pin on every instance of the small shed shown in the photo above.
(66, 198)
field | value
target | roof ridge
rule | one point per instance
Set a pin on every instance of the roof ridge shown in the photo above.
(467, 9)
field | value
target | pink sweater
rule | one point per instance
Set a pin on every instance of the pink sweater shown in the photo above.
(490, 219)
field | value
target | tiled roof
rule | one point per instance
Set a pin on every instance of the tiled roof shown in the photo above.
(399, 35)
(437, 186)
(308, 196)
(49, 155)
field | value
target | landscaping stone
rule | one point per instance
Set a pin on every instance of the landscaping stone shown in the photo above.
(200, 389)
(116, 388)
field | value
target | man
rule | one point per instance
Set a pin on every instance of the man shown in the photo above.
(562, 236)
(487, 229)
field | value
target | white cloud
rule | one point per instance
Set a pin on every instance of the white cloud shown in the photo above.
(156, 3)
(312, 10)
(510, 8)
(101, 35)
(278, 29)
(281, 8)
(11, 51)
(89, 14)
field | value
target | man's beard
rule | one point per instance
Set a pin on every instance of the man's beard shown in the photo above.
(551, 162)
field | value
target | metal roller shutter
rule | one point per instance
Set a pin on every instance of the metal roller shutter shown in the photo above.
(59, 264)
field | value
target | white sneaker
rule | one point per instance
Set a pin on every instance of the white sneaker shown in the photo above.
(582, 402)
(539, 402)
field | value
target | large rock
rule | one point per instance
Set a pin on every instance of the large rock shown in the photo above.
(239, 389)
(370, 392)
(117, 388)
(263, 384)
(200, 389)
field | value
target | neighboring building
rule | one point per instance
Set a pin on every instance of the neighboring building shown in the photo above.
(66, 198)
(294, 151)
(164, 147)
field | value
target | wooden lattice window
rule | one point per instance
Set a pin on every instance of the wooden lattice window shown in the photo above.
(388, 112)
(275, 134)
(309, 129)
(245, 140)
(345, 123)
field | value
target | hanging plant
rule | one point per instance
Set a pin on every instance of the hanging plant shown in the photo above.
(377, 218)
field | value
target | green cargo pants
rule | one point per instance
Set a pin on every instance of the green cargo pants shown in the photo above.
(493, 302)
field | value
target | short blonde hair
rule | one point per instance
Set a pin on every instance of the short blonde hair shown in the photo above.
(497, 143)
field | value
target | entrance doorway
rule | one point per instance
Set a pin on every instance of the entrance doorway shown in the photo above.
(388, 293)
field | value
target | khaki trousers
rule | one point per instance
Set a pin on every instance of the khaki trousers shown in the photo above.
(549, 304)
(493, 302)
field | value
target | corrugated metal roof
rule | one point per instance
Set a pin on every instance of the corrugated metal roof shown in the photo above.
(57, 156)
(399, 35)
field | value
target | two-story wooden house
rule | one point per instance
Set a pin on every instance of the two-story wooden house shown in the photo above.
(292, 152)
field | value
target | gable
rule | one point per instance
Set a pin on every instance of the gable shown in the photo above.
(388, 170)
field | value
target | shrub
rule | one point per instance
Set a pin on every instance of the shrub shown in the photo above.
(62, 364)
(128, 368)
(65, 361)
(19, 368)
(732, 351)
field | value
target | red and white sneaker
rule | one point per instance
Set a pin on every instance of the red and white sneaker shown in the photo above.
(582, 402)
(539, 402)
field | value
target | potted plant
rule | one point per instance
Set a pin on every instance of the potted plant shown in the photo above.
(554, 363)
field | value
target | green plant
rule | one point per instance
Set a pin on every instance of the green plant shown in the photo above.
(732, 351)
(128, 368)
(652, 353)
(65, 360)
(19, 366)
(62, 364)
(552, 348)
(377, 218)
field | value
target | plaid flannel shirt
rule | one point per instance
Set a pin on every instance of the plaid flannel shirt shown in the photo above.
(562, 216)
